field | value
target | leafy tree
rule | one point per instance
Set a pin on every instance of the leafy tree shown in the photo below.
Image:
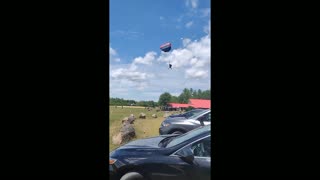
(191, 92)
(206, 94)
(184, 96)
(164, 99)
(142, 103)
(199, 94)
(195, 94)
(150, 103)
(120, 102)
(174, 99)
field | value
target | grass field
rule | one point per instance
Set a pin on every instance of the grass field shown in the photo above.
(144, 127)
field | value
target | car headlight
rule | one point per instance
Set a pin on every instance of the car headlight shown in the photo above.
(165, 124)
(112, 161)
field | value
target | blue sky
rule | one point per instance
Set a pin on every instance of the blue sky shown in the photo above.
(138, 69)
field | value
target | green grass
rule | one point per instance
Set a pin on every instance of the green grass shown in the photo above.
(144, 127)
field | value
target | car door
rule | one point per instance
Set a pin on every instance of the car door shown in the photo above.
(201, 166)
(202, 158)
(168, 168)
(174, 168)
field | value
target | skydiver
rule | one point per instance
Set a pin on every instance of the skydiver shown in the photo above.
(170, 66)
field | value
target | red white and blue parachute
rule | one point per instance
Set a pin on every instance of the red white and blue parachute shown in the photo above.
(166, 47)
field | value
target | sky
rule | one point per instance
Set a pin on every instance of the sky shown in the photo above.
(138, 68)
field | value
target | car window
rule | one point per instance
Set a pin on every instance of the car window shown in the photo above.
(195, 115)
(202, 148)
(206, 117)
(188, 135)
(196, 112)
(191, 113)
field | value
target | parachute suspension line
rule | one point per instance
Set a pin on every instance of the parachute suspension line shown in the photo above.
(170, 65)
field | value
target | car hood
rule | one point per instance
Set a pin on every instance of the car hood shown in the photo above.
(152, 142)
(177, 115)
(141, 147)
(174, 118)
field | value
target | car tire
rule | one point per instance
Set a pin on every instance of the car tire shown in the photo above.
(132, 176)
(177, 132)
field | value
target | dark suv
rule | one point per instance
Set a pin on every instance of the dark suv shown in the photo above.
(180, 125)
(170, 157)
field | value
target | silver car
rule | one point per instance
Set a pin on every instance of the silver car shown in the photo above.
(180, 125)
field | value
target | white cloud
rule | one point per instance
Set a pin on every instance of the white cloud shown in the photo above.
(112, 52)
(147, 59)
(185, 42)
(113, 55)
(120, 90)
(192, 3)
(178, 57)
(117, 59)
(196, 73)
(189, 24)
(128, 74)
(133, 67)
(134, 74)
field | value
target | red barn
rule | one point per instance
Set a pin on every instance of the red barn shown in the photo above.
(195, 103)
(200, 103)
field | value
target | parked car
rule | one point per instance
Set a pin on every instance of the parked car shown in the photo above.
(187, 114)
(180, 125)
(170, 157)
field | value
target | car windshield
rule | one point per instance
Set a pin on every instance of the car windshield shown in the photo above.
(195, 115)
(188, 135)
(192, 112)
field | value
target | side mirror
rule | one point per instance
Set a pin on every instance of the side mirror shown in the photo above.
(186, 155)
(201, 120)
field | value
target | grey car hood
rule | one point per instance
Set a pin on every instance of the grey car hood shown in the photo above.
(175, 118)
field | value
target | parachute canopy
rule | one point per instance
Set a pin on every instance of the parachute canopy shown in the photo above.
(166, 47)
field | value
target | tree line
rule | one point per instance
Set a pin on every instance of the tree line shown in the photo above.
(184, 97)
(164, 99)
(123, 102)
